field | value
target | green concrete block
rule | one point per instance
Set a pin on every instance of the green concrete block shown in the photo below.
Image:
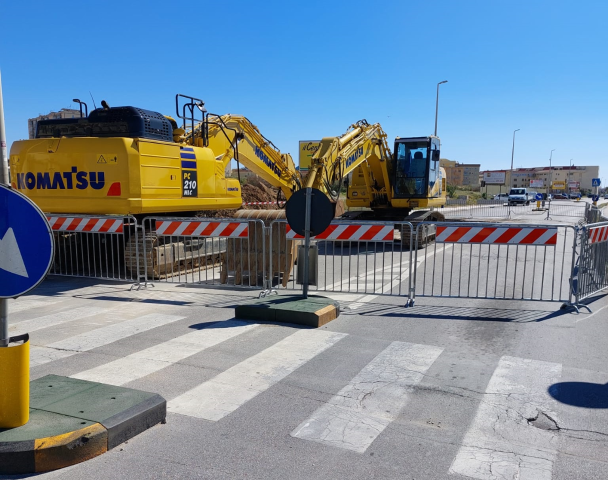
(314, 311)
(73, 420)
(99, 402)
(124, 412)
(54, 388)
(43, 424)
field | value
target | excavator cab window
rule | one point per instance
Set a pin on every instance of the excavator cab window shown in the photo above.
(411, 169)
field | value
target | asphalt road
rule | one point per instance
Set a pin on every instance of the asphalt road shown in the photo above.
(451, 388)
(448, 389)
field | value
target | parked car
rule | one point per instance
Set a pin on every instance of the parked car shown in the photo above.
(521, 196)
(560, 196)
(502, 197)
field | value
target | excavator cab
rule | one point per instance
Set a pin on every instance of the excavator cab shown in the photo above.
(416, 167)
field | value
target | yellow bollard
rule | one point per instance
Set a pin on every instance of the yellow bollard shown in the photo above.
(538, 204)
(15, 382)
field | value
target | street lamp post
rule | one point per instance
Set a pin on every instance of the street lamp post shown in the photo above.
(570, 179)
(512, 153)
(437, 105)
(551, 171)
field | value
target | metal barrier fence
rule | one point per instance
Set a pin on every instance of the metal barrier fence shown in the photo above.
(201, 250)
(593, 215)
(94, 246)
(498, 209)
(492, 261)
(362, 257)
(447, 259)
(481, 209)
(567, 208)
(591, 273)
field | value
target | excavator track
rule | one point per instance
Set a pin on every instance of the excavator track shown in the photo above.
(426, 235)
(159, 261)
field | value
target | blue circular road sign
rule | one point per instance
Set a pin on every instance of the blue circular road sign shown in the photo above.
(539, 196)
(26, 244)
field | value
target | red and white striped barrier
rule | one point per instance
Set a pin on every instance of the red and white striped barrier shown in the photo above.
(497, 235)
(598, 234)
(202, 228)
(263, 203)
(353, 233)
(86, 224)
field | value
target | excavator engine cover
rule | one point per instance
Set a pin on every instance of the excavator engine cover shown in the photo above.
(112, 122)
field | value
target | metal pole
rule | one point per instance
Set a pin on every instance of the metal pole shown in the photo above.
(550, 183)
(3, 180)
(3, 150)
(437, 105)
(551, 170)
(3, 322)
(570, 179)
(511, 182)
(306, 242)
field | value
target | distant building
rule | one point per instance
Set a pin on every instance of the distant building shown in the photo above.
(573, 179)
(63, 113)
(461, 174)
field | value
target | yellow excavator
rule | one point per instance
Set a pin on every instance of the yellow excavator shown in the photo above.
(405, 186)
(131, 161)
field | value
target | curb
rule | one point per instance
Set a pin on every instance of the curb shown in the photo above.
(75, 422)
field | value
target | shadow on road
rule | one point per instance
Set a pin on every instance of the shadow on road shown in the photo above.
(580, 394)
(457, 313)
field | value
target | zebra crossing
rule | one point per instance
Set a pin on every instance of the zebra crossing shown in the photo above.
(499, 441)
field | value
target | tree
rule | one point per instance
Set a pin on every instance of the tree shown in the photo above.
(451, 191)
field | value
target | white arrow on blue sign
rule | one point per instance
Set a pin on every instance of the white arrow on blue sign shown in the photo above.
(26, 244)
(596, 182)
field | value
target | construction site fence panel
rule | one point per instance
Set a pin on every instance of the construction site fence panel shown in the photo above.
(591, 272)
(567, 208)
(363, 257)
(541, 262)
(496, 261)
(500, 209)
(594, 215)
(94, 246)
(207, 251)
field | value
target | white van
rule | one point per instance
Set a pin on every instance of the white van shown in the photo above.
(521, 196)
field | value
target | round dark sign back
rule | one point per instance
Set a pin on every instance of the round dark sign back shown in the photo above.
(321, 212)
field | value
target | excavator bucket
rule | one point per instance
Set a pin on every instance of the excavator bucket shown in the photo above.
(247, 263)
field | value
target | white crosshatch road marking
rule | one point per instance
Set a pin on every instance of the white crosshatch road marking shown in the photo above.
(98, 337)
(26, 302)
(153, 359)
(501, 442)
(355, 417)
(227, 391)
(28, 326)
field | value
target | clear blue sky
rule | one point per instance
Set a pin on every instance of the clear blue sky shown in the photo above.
(305, 70)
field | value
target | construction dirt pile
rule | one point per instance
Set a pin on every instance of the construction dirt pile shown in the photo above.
(255, 190)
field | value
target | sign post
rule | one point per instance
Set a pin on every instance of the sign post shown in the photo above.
(309, 212)
(26, 253)
(596, 182)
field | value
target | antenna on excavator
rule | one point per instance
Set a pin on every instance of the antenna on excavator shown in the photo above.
(92, 99)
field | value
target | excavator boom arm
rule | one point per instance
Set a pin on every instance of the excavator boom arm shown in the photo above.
(236, 137)
(363, 145)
